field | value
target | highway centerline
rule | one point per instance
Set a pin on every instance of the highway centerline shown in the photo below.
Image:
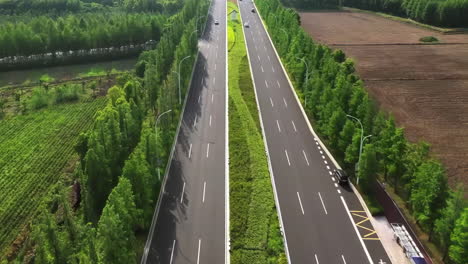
(323, 204)
(300, 202)
(287, 157)
(172, 252)
(305, 156)
(294, 126)
(204, 189)
(190, 151)
(199, 245)
(279, 128)
(182, 195)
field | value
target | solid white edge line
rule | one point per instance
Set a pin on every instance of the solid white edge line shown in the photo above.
(182, 195)
(287, 157)
(226, 147)
(270, 168)
(357, 231)
(323, 204)
(204, 189)
(172, 252)
(300, 202)
(361, 200)
(149, 239)
(199, 245)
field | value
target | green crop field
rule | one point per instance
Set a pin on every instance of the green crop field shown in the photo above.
(35, 150)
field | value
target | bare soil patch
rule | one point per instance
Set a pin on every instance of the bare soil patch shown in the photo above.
(424, 86)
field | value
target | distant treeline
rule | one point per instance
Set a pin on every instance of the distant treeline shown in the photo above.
(70, 6)
(330, 90)
(445, 13)
(77, 32)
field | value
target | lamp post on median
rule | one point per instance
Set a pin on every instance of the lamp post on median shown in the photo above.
(178, 75)
(361, 143)
(156, 131)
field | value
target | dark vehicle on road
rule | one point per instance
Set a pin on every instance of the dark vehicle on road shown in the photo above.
(216, 22)
(341, 176)
(246, 24)
(253, 10)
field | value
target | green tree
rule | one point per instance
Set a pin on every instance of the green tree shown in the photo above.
(428, 192)
(116, 226)
(444, 225)
(458, 252)
(367, 167)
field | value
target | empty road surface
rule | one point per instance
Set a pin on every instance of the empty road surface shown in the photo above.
(190, 224)
(323, 222)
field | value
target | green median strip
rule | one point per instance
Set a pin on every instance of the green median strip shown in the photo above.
(254, 230)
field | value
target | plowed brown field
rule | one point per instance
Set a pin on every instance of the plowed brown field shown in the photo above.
(424, 86)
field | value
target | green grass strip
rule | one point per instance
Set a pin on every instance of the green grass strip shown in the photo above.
(255, 234)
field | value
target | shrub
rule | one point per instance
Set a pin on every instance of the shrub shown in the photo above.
(428, 39)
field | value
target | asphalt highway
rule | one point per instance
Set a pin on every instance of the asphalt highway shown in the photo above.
(190, 223)
(322, 221)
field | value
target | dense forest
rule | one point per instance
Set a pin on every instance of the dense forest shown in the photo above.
(330, 90)
(44, 34)
(66, 6)
(122, 159)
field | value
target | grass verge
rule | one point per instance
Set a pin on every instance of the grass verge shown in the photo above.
(255, 233)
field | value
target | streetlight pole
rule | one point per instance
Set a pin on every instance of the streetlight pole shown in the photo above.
(361, 143)
(178, 75)
(306, 78)
(190, 37)
(156, 131)
(199, 19)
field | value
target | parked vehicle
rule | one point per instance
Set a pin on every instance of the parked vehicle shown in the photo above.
(341, 176)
